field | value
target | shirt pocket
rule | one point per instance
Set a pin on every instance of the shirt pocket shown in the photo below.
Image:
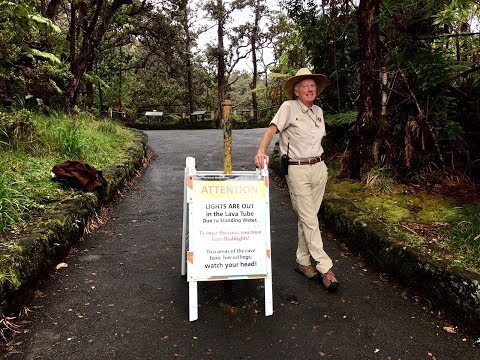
(306, 132)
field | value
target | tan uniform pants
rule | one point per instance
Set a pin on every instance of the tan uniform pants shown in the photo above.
(306, 184)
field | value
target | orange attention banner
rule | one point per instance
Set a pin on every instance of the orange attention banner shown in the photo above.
(214, 190)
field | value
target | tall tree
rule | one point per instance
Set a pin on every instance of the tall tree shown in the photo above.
(95, 23)
(221, 67)
(327, 32)
(368, 131)
(227, 55)
(288, 55)
(219, 14)
(184, 13)
(187, 55)
(259, 11)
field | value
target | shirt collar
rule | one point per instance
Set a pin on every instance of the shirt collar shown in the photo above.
(303, 107)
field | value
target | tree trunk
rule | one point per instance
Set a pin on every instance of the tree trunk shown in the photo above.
(253, 86)
(92, 36)
(221, 80)
(188, 56)
(51, 10)
(366, 136)
(191, 95)
(43, 8)
(254, 39)
(89, 95)
(72, 39)
(89, 87)
(100, 92)
(333, 34)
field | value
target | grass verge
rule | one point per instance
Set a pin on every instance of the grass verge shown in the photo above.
(31, 144)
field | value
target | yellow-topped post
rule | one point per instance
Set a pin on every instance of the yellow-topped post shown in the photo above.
(227, 136)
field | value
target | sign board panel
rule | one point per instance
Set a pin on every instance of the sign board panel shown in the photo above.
(227, 227)
(153, 113)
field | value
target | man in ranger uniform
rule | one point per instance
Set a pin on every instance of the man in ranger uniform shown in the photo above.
(301, 127)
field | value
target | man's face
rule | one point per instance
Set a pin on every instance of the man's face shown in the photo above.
(306, 91)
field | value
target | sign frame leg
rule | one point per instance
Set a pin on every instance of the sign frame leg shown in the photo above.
(183, 267)
(193, 300)
(268, 297)
(189, 169)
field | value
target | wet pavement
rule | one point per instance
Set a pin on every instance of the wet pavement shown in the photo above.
(122, 295)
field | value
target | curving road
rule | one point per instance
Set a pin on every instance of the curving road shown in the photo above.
(122, 296)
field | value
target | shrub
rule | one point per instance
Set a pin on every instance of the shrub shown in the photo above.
(69, 139)
(378, 179)
(16, 128)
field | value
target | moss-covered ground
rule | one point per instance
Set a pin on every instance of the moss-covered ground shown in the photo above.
(447, 227)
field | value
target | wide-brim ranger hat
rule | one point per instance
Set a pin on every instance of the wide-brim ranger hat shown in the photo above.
(302, 74)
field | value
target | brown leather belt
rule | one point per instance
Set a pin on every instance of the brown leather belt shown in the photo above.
(306, 162)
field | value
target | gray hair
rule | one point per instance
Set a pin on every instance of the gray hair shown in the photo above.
(297, 86)
(295, 89)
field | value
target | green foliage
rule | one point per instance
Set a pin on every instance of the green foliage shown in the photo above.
(45, 55)
(108, 127)
(430, 75)
(378, 180)
(28, 65)
(341, 119)
(95, 79)
(4, 138)
(13, 198)
(69, 140)
(455, 13)
(328, 42)
(241, 119)
(453, 227)
(291, 56)
(47, 23)
(17, 129)
(429, 70)
(32, 143)
(172, 118)
(464, 233)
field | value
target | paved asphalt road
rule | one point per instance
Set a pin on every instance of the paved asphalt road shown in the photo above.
(122, 295)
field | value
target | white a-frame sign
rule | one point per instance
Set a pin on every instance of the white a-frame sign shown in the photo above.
(226, 229)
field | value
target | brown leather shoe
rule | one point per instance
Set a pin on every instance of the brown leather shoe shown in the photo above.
(330, 282)
(308, 270)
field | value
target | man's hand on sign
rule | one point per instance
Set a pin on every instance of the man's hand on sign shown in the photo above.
(259, 160)
(264, 143)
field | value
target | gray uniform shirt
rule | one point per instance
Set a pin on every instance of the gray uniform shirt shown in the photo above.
(300, 127)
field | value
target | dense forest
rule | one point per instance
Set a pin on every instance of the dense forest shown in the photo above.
(404, 83)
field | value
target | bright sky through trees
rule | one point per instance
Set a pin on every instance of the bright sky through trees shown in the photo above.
(238, 17)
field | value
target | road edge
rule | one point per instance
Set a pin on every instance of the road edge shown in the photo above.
(28, 256)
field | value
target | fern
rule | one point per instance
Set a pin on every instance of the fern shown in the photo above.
(46, 22)
(46, 55)
(342, 119)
